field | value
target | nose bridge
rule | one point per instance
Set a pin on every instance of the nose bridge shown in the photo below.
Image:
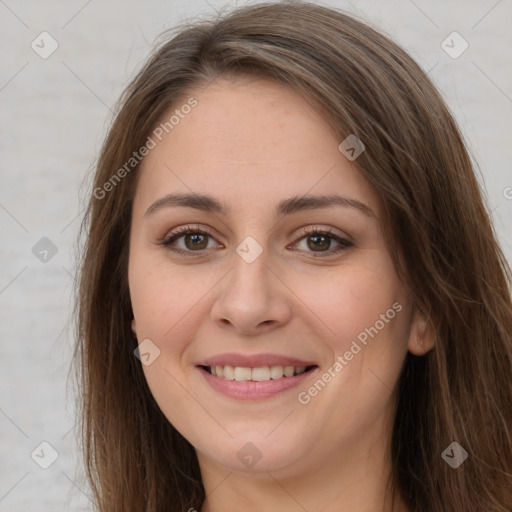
(251, 295)
(249, 281)
(250, 269)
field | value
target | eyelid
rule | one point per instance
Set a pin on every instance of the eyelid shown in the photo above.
(309, 230)
(187, 228)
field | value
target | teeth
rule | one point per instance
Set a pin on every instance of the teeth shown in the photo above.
(242, 374)
(288, 371)
(276, 372)
(229, 372)
(260, 374)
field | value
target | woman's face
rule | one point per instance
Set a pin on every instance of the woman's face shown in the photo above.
(252, 171)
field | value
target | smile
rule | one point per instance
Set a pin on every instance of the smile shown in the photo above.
(259, 374)
(254, 377)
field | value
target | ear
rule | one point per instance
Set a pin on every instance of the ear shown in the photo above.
(421, 337)
(134, 327)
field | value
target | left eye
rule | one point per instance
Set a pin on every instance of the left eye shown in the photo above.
(196, 240)
(319, 241)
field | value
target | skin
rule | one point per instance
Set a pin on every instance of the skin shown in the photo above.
(251, 144)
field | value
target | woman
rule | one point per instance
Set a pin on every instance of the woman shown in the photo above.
(291, 294)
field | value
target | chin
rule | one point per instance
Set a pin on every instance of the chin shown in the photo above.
(255, 455)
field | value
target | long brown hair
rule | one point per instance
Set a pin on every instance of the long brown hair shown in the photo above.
(437, 228)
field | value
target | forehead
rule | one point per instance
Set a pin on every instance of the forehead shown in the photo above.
(248, 138)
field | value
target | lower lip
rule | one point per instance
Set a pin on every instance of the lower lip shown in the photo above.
(251, 390)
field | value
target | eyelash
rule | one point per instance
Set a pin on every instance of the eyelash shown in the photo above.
(304, 233)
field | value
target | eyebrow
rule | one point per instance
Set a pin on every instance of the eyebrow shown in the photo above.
(285, 207)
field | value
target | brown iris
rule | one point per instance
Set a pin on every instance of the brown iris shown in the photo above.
(197, 240)
(315, 244)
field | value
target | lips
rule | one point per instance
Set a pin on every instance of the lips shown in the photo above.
(254, 376)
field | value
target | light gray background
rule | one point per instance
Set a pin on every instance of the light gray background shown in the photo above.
(53, 116)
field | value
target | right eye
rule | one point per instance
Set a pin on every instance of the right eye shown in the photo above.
(194, 240)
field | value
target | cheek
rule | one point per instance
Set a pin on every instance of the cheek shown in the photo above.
(162, 296)
(166, 304)
(354, 300)
(170, 305)
(364, 316)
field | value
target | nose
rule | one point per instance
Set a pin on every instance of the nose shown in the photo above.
(252, 299)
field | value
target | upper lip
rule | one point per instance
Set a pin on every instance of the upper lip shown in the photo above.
(254, 361)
